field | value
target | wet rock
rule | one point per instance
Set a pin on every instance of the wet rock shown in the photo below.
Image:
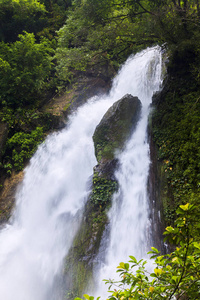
(7, 195)
(113, 131)
(60, 106)
(110, 136)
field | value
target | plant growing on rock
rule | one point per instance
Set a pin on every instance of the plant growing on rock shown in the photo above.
(103, 190)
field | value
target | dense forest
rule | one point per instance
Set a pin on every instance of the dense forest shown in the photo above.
(46, 45)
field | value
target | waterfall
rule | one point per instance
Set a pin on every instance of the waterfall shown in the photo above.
(50, 200)
(130, 228)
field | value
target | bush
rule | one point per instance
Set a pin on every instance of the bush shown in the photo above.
(21, 147)
(24, 70)
(175, 275)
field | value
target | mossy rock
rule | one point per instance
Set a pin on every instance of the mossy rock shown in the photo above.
(80, 261)
(113, 131)
(116, 127)
(110, 135)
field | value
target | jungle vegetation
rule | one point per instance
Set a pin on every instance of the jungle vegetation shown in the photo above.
(46, 44)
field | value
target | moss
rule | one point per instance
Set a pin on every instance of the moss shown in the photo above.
(115, 127)
(80, 260)
(66, 107)
(109, 135)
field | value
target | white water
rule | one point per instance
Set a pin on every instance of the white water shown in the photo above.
(53, 193)
(130, 228)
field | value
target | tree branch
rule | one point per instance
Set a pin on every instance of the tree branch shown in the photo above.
(184, 265)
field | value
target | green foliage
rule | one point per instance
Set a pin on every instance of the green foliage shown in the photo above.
(102, 191)
(178, 20)
(99, 32)
(112, 30)
(21, 146)
(176, 125)
(55, 18)
(26, 131)
(175, 275)
(25, 119)
(27, 43)
(42, 18)
(70, 60)
(24, 70)
(71, 53)
(176, 132)
(17, 16)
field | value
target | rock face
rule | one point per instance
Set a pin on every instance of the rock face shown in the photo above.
(7, 195)
(60, 107)
(110, 136)
(157, 191)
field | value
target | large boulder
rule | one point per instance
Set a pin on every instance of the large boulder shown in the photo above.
(113, 131)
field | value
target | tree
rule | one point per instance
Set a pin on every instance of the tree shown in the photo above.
(128, 25)
(97, 31)
(17, 16)
(175, 275)
(101, 31)
(24, 70)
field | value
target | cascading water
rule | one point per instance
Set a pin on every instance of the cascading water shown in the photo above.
(130, 230)
(53, 193)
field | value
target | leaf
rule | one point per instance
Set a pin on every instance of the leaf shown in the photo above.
(153, 256)
(139, 292)
(126, 265)
(163, 288)
(185, 207)
(175, 278)
(121, 265)
(196, 245)
(179, 211)
(151, 289)
(155, 250)
(86, 296)
(133, 259)
(175, 259)
(169, 229)
(158, 272)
